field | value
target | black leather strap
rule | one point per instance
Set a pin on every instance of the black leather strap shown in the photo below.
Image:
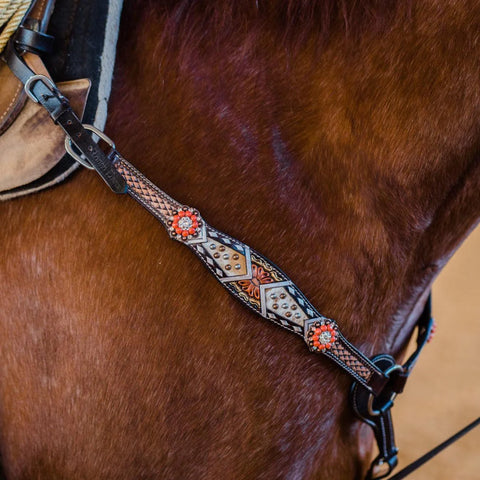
(425, 325)
(33, 41)
(376, 412)
(374, 409)
(387, 458)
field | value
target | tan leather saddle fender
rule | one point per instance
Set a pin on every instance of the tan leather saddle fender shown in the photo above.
(32, 144)
(12, 95)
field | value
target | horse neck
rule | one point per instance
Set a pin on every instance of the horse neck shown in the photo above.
(354, 165)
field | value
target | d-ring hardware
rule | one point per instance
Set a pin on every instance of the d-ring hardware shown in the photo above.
(81, 159)
(45, 80)
(389, 403)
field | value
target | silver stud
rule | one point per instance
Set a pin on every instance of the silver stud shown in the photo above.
(226, 256)
(228, 267)
(284, 305)
(213, 246)
(273, 296)
(238, 266)
(298, 315)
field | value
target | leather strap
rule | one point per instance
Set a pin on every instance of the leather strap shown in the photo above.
(33, 41)
(375, 410)
(246, 274)
(43, 91)
(251, 278)
(38, 16)
(386, 459)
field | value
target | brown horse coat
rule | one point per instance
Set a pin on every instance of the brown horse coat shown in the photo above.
(347, 151)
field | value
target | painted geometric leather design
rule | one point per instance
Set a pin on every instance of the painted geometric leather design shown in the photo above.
(247, 275)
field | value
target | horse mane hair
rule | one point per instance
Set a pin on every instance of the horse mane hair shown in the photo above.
(294, 20)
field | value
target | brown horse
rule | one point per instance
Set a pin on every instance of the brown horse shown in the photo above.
(339, 138)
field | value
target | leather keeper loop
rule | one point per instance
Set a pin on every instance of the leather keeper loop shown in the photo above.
(33, 41)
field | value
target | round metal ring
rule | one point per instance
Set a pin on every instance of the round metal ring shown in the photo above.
(371, 397)
(81, 159)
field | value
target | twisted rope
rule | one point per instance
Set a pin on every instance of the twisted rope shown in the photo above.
(11, 14)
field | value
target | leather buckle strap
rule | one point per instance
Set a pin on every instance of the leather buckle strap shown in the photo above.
(374, 408)
(80, 158)
(30, 83)
(43, 90)
(387, 458)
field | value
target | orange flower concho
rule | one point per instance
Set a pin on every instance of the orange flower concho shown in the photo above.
(321, 336)
(184, 224)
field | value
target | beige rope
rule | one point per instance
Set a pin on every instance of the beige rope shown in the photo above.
(11, 14)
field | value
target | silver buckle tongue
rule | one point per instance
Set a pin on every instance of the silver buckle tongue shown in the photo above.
(29, 84)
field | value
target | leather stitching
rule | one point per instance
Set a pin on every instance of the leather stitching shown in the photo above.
(17, 93)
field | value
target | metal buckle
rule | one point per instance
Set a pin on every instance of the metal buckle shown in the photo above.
(389, 403)
(80, 158)
(46, 81)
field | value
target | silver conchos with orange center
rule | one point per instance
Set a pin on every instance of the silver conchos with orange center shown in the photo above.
(321, 335)
(185, 224)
